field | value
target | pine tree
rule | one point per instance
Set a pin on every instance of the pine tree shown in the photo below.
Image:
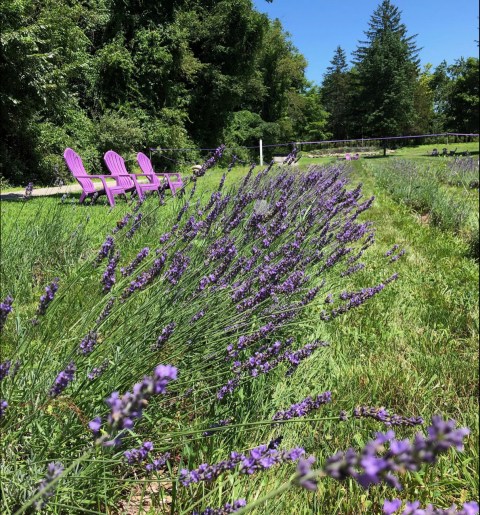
(387, 66)
(336, 94)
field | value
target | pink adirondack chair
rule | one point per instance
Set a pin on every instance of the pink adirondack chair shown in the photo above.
(348, 157)
(356, 156)
(116, 165)
(75, 165)
(174, 179)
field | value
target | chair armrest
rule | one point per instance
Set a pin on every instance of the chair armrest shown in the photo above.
(101, 177)
(168, 174)
(92, 176)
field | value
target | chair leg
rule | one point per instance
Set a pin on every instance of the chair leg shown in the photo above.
(110, 198)
(82, 197)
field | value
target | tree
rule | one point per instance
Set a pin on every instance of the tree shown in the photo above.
(336, 94)
(463, 105)
(387, 69)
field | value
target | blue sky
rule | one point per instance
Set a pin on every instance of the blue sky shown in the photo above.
(446, 30)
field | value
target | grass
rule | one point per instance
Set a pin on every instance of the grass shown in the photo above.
(412, 349)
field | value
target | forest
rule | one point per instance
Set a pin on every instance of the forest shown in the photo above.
(136, 74)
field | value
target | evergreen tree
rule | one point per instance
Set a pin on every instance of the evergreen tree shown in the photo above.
(336, 94)
(387, 66)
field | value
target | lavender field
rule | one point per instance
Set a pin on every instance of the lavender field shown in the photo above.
(275, 340)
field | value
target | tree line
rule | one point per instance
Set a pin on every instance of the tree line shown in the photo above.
(133, 74)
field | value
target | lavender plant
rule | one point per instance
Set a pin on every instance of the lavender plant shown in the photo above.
(232, 297)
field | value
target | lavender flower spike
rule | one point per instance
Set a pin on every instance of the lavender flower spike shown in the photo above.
(412, 508)
(3, 407)
(5, 369)
(138, 455)
(124, 409)
(375, 464)
(105, 250)
(303, 469)
(88, 343)
(54, 469)
(108, 278)
(47, 297)
(303, 408)
(134, 264)
(225, 509)
(5, 309)
(63, 380)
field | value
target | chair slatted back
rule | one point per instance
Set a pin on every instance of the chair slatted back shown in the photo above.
(75, 165)
(147, 168)
(116, 164)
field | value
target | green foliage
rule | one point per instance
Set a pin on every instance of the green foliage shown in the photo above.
(337, 94)
(129, 76)
(419, 187)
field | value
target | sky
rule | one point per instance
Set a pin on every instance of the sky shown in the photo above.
(446, 30)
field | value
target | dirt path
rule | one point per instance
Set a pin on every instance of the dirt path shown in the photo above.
(42, 192)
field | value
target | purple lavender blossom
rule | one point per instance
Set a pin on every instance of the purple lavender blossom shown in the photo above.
(138, 455)
(108, 278)
(177, 268)
(5, 309)
(225, 509)
(392, 278)
(412, 508)
(382, 415)
(139, 203)
(128, 407)
(88, 342)
(352, 269)
(392, 250)
(220, 423)
(158, 463)
(304, 407)
(128, 270)
(200, 314)
(98, 371)
(397, 256)
(3, 407)
(47, 297)
(122, 223)
(260, 458)
(64, 378)
(228, 388)
(304, 468)
(5, 369)
(355, 299)
(167, 331)
(217, 154)
(106, 249)
(392, 506)
(145, 278)
(106, 311)
(343, 416)
(374, 464)
(54, 469)
(183, 210)
(135, 225)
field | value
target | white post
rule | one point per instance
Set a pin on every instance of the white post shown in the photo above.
(261, 153)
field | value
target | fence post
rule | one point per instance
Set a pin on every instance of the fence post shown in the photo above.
(261, 153)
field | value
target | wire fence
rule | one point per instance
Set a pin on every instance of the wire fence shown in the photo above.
(381, 141)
